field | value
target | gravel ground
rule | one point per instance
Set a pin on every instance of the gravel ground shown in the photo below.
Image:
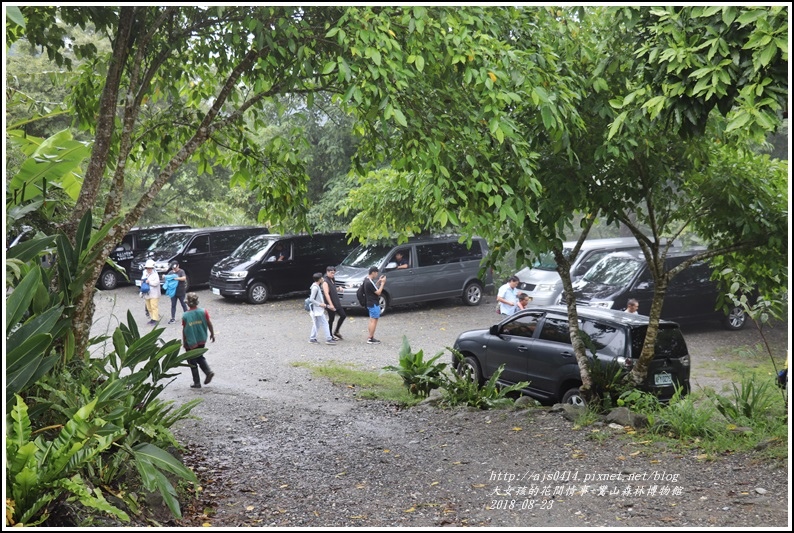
(275, 447)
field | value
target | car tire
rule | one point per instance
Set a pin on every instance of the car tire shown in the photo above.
(736, 319)
(258, 293)
(108, 280)
(574, 397)
(472, 293)
(470, 364)
(383, 302)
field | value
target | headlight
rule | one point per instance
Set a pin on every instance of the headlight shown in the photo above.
(238, 274)
(685, 360)
(606, 304)
(545, 287)
(161, 266)
(352, 285)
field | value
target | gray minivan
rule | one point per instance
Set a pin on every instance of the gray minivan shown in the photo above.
(542, 283)
(437, 267)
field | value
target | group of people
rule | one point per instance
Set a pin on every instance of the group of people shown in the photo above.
(175, 285)
(324, 298)
(509, 300)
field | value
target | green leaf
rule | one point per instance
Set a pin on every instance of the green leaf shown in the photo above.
(329, 67)
(19, 300)
(420, 63)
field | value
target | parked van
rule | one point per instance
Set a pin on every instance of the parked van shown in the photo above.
(542, 283)
(691, 294)
(197, 250)
(272, 264)
(137, 240)
(438, 267)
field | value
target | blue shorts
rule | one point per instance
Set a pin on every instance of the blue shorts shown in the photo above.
(374, 311)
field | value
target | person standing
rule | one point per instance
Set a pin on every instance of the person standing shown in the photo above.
(152, 298)
(195, 325)
(372, 291)
(175, 287)
(332, 296)
(508, 297)
(317, 312)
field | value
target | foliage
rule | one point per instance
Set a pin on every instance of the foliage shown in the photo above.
(106, 408)
(40, 471)
(460, 388)
(750, 400)
(608, 383)
(418, 375)
(696, 58)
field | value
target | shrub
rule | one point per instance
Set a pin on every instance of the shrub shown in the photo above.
(419, 376)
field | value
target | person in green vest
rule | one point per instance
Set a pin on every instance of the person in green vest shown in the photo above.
(195, 325)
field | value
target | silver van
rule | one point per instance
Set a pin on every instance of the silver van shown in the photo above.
(433, 268)
(542, 283)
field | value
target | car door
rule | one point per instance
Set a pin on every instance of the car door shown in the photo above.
(512, 348)
(401, 283)
(551, 354)
(197, 260)
(690, 294)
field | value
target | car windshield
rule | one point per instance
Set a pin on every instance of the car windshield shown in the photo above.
(616, 271)
(546, 261)
(367, 256)
(254, 248)
(171, 241)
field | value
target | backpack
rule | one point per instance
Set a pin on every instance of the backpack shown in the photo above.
(307, 304)
(360, 295)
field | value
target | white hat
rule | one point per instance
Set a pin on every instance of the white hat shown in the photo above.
(149, 263)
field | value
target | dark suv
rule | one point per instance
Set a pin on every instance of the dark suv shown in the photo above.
(135, 241)
(691, 295)
(276, 264)
(535, 346)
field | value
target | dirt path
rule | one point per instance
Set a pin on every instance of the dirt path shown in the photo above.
(275, 447)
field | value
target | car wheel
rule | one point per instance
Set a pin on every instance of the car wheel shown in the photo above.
(108, 280)
(574, 397)
(472, 293)
(187, 282)
(469, 366)
(736, 319)
(258, 293)
(383, 302)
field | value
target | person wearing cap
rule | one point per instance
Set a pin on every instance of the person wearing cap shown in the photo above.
(152, 298)
(196, 324)
(331, 295)
(174, 285)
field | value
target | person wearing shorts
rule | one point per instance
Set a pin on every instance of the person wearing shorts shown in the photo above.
(372, 291)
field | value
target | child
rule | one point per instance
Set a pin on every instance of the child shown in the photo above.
(523, 301)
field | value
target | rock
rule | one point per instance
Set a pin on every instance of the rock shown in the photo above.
(759, 490)
(624, 417)
(525, 402)
(572, 412)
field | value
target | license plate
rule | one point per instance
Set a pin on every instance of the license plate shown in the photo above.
(138, 282)
(663, 379)
(216, 291)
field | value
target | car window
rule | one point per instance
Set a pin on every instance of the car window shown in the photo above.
(555, 329)
(614, 270)
(670, 342)
(522, 326)
(606, 339)
(199, 245)
(589, 261)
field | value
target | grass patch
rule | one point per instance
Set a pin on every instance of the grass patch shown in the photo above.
(368, 384)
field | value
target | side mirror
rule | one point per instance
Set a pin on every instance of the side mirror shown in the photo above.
(192, 251)
(644, 285)
(494, 330)
(391, 266)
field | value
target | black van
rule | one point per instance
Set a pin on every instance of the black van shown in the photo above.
(195, 249)
(691, 294)
(137, 240)
(276, 264)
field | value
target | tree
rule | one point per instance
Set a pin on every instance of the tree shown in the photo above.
(179, 81)
(629, 166)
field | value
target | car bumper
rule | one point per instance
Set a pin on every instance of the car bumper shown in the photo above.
(228, 288)
(348, 298)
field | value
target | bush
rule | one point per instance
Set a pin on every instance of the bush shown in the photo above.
(419, 376)
(460, 388)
